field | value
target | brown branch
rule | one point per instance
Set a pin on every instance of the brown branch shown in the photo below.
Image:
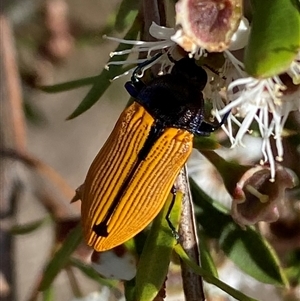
(13, 95)
(13, 146)
(59, 209)
(13, 134)
(41, 168)
(192, 283)
(152, 11)
(74, 283)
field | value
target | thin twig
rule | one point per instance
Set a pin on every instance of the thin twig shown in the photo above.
(59, 207)
(13, 91)
(12, 135)
(73, 282)
(41, 168)
(35, 290)
(13, 146)
(152, 11)
(192, 283)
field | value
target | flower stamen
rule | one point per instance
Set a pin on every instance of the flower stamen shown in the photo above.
(263, 198)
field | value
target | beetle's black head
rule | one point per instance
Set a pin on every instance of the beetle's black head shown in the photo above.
(188, 70)
(185, 73)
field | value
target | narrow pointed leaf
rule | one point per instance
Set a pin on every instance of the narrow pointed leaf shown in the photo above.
(274, 38)
(126, 14)
(129, 290)
(61, 257)
(252, 253)
(29, 227)
(125, 17)
(207, 262)
(155, 259)
(205, 143)
(103, 81)
(48, 294)
(210, 278)
(74, 84)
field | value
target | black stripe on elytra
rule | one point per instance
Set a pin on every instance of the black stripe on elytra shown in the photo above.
(155, 132)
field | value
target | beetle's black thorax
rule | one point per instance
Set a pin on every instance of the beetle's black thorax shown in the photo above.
(176, 99)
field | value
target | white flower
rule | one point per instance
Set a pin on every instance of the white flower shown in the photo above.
(265, 101)
(240, 38)
(167, 41)
(162, 34)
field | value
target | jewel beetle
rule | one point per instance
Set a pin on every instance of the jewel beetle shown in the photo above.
(133, 173)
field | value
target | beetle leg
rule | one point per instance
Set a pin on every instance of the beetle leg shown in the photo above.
(174, 232)
(206, 128)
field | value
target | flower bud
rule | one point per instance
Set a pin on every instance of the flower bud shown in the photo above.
(257, 198)
(207, 24)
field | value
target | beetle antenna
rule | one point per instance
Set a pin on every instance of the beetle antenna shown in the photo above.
(139, 70)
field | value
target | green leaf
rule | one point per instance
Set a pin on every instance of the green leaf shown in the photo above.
(126, 14)
(293, 273)
(252, 253)
(125, 17)
(246, 248)
(205, 143)
(209, 278)
(69, 85)
(207, 262)
(29, 227)
(293, 267)
(48, 294)
(155, 258)
(61, 258)
(274, 38)
(129, 290)
(103, 81)
(121, 20)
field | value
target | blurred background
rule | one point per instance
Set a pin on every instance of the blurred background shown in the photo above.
(48, 42)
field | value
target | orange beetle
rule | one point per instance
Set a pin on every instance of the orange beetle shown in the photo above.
(132, 175)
